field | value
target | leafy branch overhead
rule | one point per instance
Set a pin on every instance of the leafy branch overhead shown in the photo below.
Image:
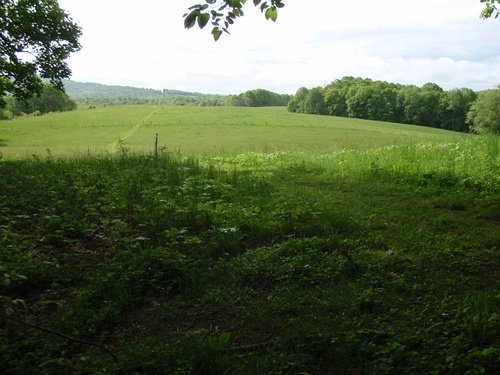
(223, 13)
(491, 9)
(36, 37)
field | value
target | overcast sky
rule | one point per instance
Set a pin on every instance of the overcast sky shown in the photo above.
(144, 44)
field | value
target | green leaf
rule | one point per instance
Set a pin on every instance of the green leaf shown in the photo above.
(271, 14)
(224, 338)
(216, 33)
(256, 2)
(190, 19)
(234, 3)
(203, 19)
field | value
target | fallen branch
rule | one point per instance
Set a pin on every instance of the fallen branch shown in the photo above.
(69, 338)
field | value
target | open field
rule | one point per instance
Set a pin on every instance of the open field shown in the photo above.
(195, 130)
(69, 132)
(310, 245)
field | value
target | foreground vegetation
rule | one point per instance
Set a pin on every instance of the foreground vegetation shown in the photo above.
(344, 261)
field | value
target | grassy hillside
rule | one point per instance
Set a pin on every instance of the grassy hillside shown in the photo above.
(195, 130)
(68, 133)
(356, 248)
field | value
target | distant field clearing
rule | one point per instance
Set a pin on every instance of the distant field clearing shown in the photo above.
(195, 130)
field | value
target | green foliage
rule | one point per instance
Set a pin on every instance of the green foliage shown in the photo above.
(223, 13)
(8, 305)
(484, 116)
(383, 101)
(258, 98)
(490, 9)
(49, 100)
(314, 102)
(37, 37)
(455, 106)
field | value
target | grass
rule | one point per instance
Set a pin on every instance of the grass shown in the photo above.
(353, 260)
(196, 130)
(68, 133)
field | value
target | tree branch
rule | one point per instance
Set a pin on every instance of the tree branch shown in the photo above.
(69, 338)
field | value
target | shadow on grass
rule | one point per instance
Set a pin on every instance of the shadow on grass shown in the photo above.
(3, 143)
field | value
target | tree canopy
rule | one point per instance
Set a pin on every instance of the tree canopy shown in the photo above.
(363, 98)
(36, 37)
(50, 100)
(258, 98)
(484, 116)
(223, 13)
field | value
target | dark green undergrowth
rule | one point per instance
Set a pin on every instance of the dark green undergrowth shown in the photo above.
(179, 268)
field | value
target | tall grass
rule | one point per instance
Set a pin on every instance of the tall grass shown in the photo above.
(474, 158)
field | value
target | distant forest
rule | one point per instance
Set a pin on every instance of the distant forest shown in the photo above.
(98, 94)
(258, 98)
(364, 98)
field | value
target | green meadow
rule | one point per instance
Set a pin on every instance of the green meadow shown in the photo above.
(251, 241)
(195, 130)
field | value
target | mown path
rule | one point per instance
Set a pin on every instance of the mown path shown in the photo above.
(112, 147)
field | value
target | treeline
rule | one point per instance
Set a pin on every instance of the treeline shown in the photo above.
(258, 98)
(96, 94)
(50, 99)
(362, 98)
(208, 100)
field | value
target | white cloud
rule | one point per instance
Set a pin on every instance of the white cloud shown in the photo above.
(312, 43)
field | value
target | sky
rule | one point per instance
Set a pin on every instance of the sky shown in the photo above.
(313, 42)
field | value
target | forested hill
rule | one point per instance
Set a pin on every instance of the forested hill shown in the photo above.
(99, 94)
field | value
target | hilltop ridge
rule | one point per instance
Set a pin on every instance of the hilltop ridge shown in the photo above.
(99, 94)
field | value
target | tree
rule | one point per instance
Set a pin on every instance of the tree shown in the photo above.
(223, 13)
(314, 102)
(453, 108)
(50, 99)
(336, 95)
(357, 99)
(257, 98)
(36, 37)
(484, 115)
(296, 103)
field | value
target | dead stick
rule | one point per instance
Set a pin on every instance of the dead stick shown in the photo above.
(67, 337)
